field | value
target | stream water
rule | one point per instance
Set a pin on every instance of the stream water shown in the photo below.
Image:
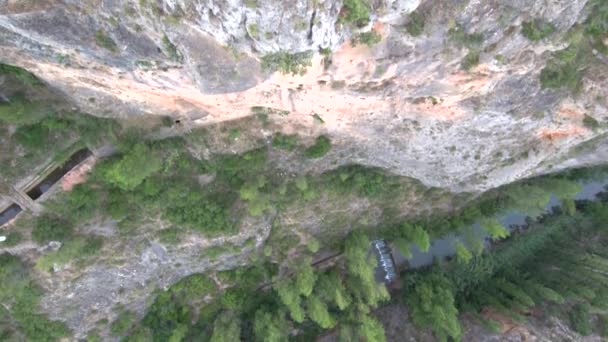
(446, 247)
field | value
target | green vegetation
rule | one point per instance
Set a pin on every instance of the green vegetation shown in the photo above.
(415, 25)
(75, 250)
(370, 38)
(537, 29)
(254, 31)
(22, 75)
(460, 37)
(285, 142)
(557, 262)
(590, 122)
(132, 168)
(320, 148)
(51, 228)
(123, 323)
(103, 40)
(470, 60)
(355, 12)
(294, 63)
(171, 50)
(566, 68)
(20, 298)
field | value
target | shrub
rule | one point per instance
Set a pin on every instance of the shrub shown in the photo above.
(196, 212)
(558, 75)
(132, 168)
(470, 60)
(32, 137)
(461, 38)
(320, 148)
(580, 319)
(123, 323)
(590, 122)
(51, 228)
(73, 250)
(294, 63)
(415, 26)
(368, 38)
(171, 50)
(104, 41)
(254, 31)
(24, 76)
(536, 29)
(19, 111)
(285, 142)
(356, 12)
(13, 239)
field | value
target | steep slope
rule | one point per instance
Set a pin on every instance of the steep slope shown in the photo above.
(406, 104)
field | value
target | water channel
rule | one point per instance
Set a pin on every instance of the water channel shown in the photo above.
(446, 247)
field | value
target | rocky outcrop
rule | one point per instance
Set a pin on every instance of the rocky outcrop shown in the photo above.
(405, 104)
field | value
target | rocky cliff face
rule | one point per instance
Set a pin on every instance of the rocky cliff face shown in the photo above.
(405, 104)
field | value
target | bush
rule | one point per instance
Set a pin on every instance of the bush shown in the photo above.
(320, 148)
(19, 111)
(356, 12)
(537, 29)
(104, 41)
(123, 323)
(132, 168)
(294, 63)
(51, 228)
(20, 297)
(32, 137)
(74, 250)
(13, 239)
(563, 70)
(368, 38)
(171, 50)
(192, 210)
(415, 26)
(470, 60)
(285, 142)
(590, 122)
(22, 75)
(580, 319)
(461, 38)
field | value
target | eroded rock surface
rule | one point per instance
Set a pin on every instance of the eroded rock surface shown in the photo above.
(405, 104)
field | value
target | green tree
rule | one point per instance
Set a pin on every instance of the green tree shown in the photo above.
(372, 330)
(403, 246)
(462, 253)
(226, 328)
(305, 279)
(51, 228)
(330, 288)
(270, 326)
(496, 230)
(421, 238)
(123, 323)
(432, 305)
(318, 312)
(290, 297)
(580, 319)
(133, 167)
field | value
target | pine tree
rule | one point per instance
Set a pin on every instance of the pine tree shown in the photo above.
(318, 312)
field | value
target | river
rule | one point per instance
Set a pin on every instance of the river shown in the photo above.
(446, 247)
